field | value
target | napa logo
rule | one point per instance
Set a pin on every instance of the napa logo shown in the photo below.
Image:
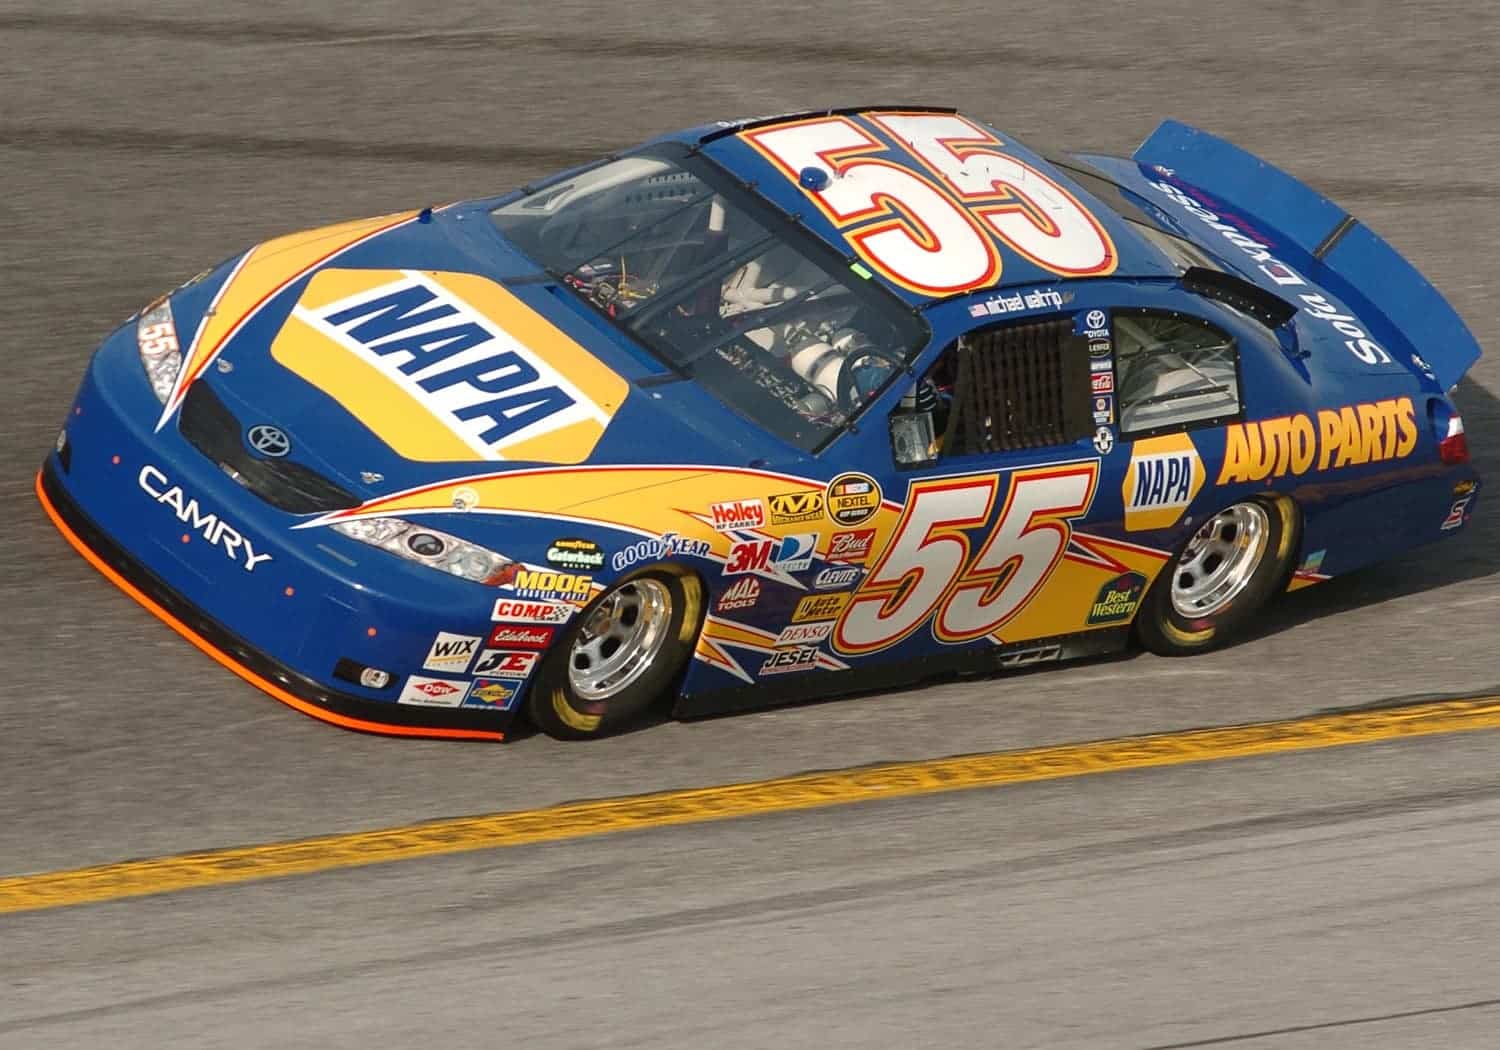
(449, 366)
(1164, 476)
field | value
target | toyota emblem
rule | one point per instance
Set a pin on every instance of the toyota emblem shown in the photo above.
(269, 440)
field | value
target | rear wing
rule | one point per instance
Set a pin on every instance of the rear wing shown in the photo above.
(1363, 264)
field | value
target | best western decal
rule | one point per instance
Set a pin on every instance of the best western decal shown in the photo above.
(852, 498)
(1117, 600)
(1164, 476)
(1369, 432)
(210, 526)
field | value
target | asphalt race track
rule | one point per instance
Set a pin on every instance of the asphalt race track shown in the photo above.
(1338, 898)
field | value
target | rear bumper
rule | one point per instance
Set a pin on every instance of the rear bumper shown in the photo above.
(253, 665)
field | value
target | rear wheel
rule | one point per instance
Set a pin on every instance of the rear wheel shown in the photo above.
(1221, 578)
(622, 652)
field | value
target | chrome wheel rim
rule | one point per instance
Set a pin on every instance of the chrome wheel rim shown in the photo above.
(619, 639)
(1220, 560)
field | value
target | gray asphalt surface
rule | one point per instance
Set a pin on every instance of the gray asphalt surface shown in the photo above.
(140, 141)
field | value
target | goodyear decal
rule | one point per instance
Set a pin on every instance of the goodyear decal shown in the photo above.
(1165, 475)
(258, 276)
(1370, 432)
(446, 366)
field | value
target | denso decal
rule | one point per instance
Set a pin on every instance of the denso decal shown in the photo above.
(851, 546)
(432, 692)
(531, 612)
(451, 652)
(741, 594)
(1164, 476)
(545, 584)
(667, 545)
(1370, 432)
(804, 633)
(521, 636)
(448, 366)
(738, 514)
(219, 533)
(505, 663)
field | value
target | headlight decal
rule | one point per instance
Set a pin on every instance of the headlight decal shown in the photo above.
(431, 547)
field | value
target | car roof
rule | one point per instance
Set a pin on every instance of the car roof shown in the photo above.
(726, 143)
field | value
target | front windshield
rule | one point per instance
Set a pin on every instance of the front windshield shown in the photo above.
(721, 288)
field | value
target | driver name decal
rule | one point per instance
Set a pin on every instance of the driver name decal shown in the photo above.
(447, 366)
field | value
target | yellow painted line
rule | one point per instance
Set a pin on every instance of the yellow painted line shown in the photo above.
(134, 878)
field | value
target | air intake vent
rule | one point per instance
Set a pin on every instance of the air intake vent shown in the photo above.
(212, 429)
(1019, 387)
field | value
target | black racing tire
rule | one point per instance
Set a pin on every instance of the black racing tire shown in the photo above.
(1169, 624)
(571, 701)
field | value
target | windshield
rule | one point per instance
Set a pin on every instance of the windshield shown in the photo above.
(722, 288)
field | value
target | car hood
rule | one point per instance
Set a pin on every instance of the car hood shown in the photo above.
(407, 349)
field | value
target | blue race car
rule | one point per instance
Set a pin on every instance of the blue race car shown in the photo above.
(766, 411)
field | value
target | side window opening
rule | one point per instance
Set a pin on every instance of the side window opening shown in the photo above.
(1000, 389)
(1172, 370)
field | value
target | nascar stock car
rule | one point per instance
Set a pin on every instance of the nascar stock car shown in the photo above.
(766, 411)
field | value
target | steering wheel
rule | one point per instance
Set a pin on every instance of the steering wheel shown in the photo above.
(850, 396)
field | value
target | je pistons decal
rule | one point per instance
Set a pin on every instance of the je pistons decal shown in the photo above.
(852, 498)
(448, 366)
(1117, 600)
(1165, 474)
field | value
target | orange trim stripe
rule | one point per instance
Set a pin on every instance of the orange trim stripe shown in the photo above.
(271, 688)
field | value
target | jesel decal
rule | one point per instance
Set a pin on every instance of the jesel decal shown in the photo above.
(1369, 432)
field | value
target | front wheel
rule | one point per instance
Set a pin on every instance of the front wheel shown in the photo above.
(1223, 576)
(622, 652)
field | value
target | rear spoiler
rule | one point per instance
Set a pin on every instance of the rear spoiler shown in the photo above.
(1296, 215)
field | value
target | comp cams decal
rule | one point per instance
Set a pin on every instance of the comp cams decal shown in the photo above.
(445, 366)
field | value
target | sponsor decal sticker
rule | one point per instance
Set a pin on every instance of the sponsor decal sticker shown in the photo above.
(821, 606)
(1008, 303)
(218, 532)
(788, 508)
(836, 576)
(544, 584)
(1164, 476)
(852, 498)
(667, 545)
(1096, 324)
(1117, 600)
(738, 514)
(1458, 513)
(531, 612)
(505, 663)
(1102, 382)
(521, 636)
(799, 658)
(804, 633)
(491, 694)
(1369, 432)
(792, 553)
(451, 652)
(575, 554)
(1104, 441)
(741, 594)
(851, 546)
(1313, 562)
(432, 692)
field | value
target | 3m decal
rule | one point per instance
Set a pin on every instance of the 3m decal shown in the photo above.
(531, 612)
(936, 235)
(451, 652)
(491, 694)
(432, 692)
(930, 574)
(521, 636)
(667, 545)
(741, 594)
(1369, 432)
(448, 366)
(851, 546)
(1117, 600)
(789, 508)
(852, 498)
(1164, 476)
(738, 514)
(804, 633)
(219, 533)
(789, 554)
(798, 658)
(821, 606)
(575, 554)
(545, 584)
(505, 663)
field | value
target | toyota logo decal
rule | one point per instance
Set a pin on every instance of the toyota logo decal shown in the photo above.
(268, 440)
